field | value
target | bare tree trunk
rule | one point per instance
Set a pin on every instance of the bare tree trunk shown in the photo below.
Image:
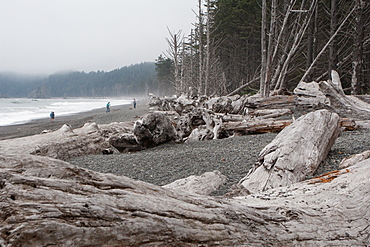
(311, 43)
(326, 46)
(200, 34)
(173, 52)
(357, 62)
(243, 86)
(263, 49)
(208, 52)
(333, 49)
(282, 38)
(270, 49)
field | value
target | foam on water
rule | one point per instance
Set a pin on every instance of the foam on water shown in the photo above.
(17, 111)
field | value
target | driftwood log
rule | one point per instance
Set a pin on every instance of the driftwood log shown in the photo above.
(66, 142)
(154, 129)
(125, 142)
(344, 104)
(295, 153)
(353, 159)
(196, 118)
(204, 184)
(48, 202)
(255, 126)
(61, 144)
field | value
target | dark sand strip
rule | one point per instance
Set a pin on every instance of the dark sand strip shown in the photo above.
(121, 113)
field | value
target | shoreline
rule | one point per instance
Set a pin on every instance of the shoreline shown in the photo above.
(119, 113)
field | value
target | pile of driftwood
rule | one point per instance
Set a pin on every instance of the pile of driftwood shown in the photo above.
(198, 118)
(46, 201)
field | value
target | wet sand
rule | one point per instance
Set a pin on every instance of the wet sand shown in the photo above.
(120, 113)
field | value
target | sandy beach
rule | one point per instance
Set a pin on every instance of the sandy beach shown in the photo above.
(120, 113)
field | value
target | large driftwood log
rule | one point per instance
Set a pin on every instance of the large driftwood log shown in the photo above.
(204, 184)
(309, 93)
(47, 202)
(220, 104)
(66, 142)
(273, 102)
(196, 118)
(295, 153)
(344, 104)
(125, 143)
(353, 159)
(154, 129)
(255, 126)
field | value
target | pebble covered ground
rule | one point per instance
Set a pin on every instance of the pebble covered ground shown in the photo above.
(233, 157)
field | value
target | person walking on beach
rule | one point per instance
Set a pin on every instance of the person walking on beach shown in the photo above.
(52, 116)
(134, 103)
(108, 107)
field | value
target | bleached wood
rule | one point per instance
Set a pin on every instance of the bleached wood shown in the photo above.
(66, 142)
(353, 159)
(204, 184)
(256, 126)
(295, 153)
(270, 113)
(47, 202)
(338, 100)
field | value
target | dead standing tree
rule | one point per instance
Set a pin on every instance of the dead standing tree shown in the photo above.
(278, 52)
(173, 53)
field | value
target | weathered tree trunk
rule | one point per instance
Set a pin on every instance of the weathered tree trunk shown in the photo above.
(333, 49)
(357, 54)
(352, 160)
(201, 49)
(255, 126)
(311, 43)
(66, 143)
(46, 202)
(263, 50)
(270, 48)
(295, 153)
(125, 143)
(173, 53)
(204, 184)
(351, 105)
(154, 129)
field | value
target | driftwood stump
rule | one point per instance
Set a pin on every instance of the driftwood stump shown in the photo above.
(295, 153)
(154, 129)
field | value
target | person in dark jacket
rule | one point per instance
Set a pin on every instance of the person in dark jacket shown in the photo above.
(52, 116)
(108, 107)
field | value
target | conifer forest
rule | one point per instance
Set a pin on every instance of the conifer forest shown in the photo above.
(250, 46)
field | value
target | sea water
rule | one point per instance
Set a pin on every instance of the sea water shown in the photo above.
(22, 110)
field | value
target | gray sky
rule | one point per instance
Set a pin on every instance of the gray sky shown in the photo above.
(48, 36)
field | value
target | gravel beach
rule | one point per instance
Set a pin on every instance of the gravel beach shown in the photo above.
(233, 157)
(164, 164)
